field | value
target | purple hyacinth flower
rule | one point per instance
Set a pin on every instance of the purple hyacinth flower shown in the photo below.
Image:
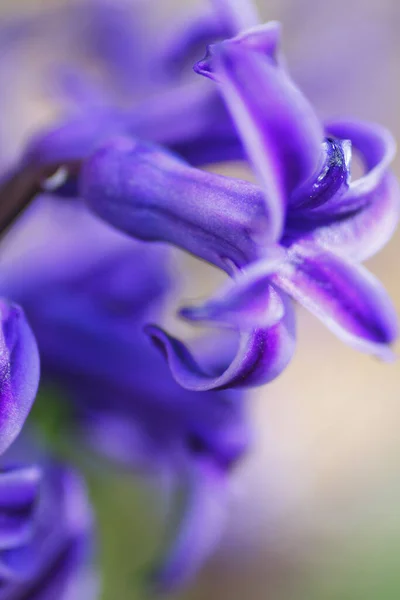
(219, 219)
(39, 551)
(331, 222)
(323, 244)
(324, 222)
(19, 489)
(87, 300)
(19, 372)
(49, 520)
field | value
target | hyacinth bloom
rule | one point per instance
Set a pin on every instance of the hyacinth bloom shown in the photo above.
(194, 122)
(46, 530)
(302, 233)
(88, 291)
(299, 233)
(19, 372)
(19, 488)
(216, 233)
(44, 513)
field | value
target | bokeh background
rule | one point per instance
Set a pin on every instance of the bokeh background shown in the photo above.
(315, 509)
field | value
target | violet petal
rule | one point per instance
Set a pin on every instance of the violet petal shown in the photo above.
(331, 183)
(199, 529)
(359, 222)
(153, 195)
(377, 148)
(360, 235)
(246, 302)
(261, 356)
(53, 563)
(345, 296)
(279, 128)
(19, 488)
(19, 372)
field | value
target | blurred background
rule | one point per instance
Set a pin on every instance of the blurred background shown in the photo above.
(315, 509)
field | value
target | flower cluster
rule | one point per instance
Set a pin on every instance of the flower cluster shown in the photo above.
(45, 516)
(135, 157)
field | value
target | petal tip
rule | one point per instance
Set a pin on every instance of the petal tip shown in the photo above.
(204, 66)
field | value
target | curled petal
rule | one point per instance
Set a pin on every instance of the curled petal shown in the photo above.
(19, 490)
(199, 529)
(19, 372)
(262, 355)
(152, 195)
(279, 129)
(377, 148)
(361, 234)
(246, 302)
(346, 297)
(361, 221)
(331, 183)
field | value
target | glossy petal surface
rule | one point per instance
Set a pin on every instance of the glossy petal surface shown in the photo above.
(19, 372)
(346, 297)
